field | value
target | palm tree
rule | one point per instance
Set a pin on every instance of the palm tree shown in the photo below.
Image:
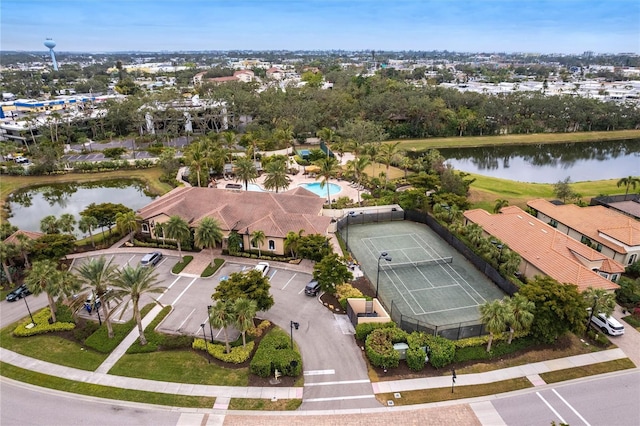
(99, 274)
(245, 171)
(500, 203)
(328, 169)
(49, 225)
(208, 234)
(245, 310)
(221, 316)
(387, 154)
(88, 224)
(127, 223)
(66, 223)
(176, 228)
(495, 315)
(522, 310)
(291, 242)
(24, 246)
(629, 181)
(131, 283)
(7, 251)
(599, 301)
(257, 239)
(44, 276)
(405, 164)
(234, 241)
(276, 175)
(196, 158)
(357, 166)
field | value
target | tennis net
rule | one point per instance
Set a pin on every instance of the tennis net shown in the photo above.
(416, 264)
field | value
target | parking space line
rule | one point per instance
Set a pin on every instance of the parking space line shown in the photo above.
(551, 408)
(183, 291)
(185, 320)
(131, 258)
(301, 290)
(572, 409)
(168, 288)
(290, 279)
(275, 271)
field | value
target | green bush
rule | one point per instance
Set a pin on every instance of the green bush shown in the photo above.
(379, 346)
(64, 314)
(364, 329)
(481, 340)
(210, 270)
(441, 351)
(259, 330)
(416, 358)
(41, 318)
(499, 349)
(153, 339)
(81, 333)
(347, 291)
(274, 353)
(238, 354)
(178, 267)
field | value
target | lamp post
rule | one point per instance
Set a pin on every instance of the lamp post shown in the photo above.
(208, 316)
(291, 327)
(96, 307)
(384, 255)
(453, 378)
(349, 216)
(29, 310)
(206, 344)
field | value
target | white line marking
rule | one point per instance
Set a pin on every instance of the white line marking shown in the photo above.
(275, 271)
(183, 291)
(290, 279)
(185, 320)
(338, 398)
(318, 372)
(168, 288)
(551, 408)
(130, 259)
(572, 409)
(344, 382)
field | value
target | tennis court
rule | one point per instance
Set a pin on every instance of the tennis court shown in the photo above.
(426, 278)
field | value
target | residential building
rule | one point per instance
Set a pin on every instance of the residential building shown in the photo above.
(613, 234)
(275, 214)
(546, 251)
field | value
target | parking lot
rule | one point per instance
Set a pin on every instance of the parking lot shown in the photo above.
(190, 296)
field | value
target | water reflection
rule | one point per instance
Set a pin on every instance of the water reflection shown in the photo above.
(546, 163)
(29, 206)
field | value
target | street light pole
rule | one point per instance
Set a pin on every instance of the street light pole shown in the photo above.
(291, 326)
(349, 216)
(209, 320)
(96, 307)
(29, 310)
(206, 344)
(384, 255)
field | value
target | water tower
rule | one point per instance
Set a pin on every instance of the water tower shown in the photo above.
(51, 44)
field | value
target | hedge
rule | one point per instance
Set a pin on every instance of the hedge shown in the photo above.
(499, 349)
(441, 351)
(416, 358)
(178, 267)
(379, 346)
(275, 353)
(346, 291)
(364, 329)
(42, 326)
(238, 355)
(210, 270)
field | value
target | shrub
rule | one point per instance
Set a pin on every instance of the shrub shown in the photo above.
(274, 353)
(81, 333)
(182, 264)
(238, 354)
(153, 339)
(482, 340)
(416, 358)
(471, 353)
(42, 326)
(210, 270)
(257, 331)
(346, 291)
(441, 351)
(363, 330)
(379, 346)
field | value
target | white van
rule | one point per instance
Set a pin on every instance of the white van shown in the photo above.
(608, 325)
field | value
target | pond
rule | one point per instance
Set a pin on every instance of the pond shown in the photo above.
(550, 163)
(29, 206)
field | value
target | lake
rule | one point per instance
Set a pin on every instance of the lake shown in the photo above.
(550, 163)
(30, 205)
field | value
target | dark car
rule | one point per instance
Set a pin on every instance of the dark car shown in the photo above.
(151, 259)
(312, 289)
(18, 293)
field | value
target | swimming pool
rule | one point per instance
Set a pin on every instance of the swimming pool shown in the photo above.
(322, 192)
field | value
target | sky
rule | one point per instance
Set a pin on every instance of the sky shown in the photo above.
(534, 26)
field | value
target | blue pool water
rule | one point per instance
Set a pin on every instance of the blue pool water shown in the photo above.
(322, 192)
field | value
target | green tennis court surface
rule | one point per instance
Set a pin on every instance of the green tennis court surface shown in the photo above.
(426, 279)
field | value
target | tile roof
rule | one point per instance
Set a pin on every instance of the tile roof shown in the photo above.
(274, 214)
(13, 238)
(595, 222)
(544, 247)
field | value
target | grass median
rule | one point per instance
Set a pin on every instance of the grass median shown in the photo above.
(256, 404)
(88, 389)
(587, 370)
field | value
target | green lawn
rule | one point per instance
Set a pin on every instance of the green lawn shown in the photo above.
(51, 382)
(52, 349)
(179, 366)
(587, 370)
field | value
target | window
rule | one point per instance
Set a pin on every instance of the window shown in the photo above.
(599, 247)
(553, 223)
(585, 240)
(145, 228)
(614, 278)
(272, 245)
(632, 259)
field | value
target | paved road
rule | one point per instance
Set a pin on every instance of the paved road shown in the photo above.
(607, 400)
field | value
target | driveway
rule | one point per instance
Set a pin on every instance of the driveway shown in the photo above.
(629, 342)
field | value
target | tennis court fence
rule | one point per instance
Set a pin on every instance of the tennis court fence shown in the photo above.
(455, 331)
(415, 264)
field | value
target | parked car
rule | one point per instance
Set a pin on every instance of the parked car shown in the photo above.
(21, 160)
(263, 267)
(18, 293)
(151, 259)
(312, 288)
(608, 325)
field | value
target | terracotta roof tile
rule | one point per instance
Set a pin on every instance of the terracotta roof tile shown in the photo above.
(541, 245)
(13, 238)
